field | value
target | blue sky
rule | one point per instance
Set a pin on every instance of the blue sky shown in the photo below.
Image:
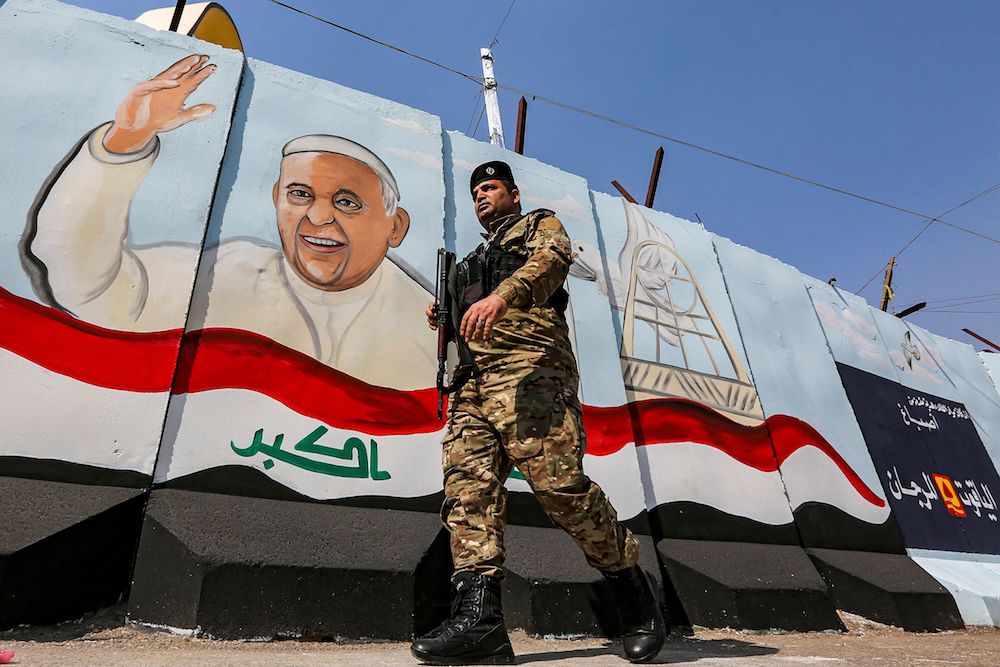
(897, 100)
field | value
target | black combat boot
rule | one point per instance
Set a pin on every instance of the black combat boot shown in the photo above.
(643, 628)
(475, 633)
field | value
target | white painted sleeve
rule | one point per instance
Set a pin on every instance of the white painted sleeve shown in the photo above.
(80, 237)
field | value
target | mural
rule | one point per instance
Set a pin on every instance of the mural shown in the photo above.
(695, 411)
(308, 333)
(215, 277)
(93, 303)
(931, 451)
(680, 348)
(716, 469)
(77, 246)
(825, 468)
(930, 457)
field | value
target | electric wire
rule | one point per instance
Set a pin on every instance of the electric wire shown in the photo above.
(473, 135)
(969, 312)
(475, 108)
(496, 41)
(963, 298)
(969, 302)
(993, 188)
(642, 130)
(959, 304)
(474, 79)
(749, 163)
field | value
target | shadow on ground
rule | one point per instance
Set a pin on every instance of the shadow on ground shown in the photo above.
(677, 649)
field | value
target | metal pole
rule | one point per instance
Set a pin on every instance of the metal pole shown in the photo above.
(522, 120)
(887, 285)
(654, 177)
(621, 189)
(490, 98)
(175, 20)
(988, 342)
(912, 309)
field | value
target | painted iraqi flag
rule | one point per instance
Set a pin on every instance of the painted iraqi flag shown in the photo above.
(238, 398)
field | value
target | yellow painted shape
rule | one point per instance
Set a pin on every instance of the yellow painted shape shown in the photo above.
(216, 26)
(208, 21)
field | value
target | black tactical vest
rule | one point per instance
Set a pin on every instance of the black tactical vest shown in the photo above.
(488, 265)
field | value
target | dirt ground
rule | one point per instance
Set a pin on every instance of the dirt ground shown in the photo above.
(100, 639)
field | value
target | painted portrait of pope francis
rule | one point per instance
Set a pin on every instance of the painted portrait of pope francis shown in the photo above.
(331, 290)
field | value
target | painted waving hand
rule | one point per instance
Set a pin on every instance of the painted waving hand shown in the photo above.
(157, 105)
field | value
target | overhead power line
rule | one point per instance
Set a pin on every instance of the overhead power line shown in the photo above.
(749, 163)
(962, 304)
(993, 188)
(475, 108)
(967, 312)
(474, 79)
(496, 36)
(637, 128)
(476, 129)
(984, 297)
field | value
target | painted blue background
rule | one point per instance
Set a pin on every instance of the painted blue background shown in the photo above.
(46, 108)
(792, 367)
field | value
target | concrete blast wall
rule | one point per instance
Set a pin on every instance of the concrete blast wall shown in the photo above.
(218, 394)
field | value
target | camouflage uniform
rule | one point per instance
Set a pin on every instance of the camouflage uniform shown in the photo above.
(522, 410)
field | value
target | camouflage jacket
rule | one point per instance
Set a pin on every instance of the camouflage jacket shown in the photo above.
(531, 334)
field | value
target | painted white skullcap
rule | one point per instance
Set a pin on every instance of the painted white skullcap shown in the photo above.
(328, 143)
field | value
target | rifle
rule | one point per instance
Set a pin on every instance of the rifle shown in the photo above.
(445, 330)
(446, 312)
(448, 315)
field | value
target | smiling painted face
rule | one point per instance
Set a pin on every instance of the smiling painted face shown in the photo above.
(332, 221)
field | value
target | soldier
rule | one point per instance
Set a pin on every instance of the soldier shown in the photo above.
(521, 409)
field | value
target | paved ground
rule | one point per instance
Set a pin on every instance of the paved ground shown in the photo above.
(100, 640)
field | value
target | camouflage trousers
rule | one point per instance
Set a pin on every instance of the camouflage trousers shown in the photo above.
(533, 422)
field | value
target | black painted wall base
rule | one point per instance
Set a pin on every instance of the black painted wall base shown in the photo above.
(888, 588)
(748, 586)
(65, 549)
(238, 567)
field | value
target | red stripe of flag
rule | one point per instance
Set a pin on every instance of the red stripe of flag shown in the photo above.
(142, 362)
(236, 359)
(212, 359)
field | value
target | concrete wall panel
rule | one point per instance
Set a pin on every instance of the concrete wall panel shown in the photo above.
(98, 251)
(708, 465)
(305, 364)
(964, 370)
(830, 481)
(992, 363)
(96, 269)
